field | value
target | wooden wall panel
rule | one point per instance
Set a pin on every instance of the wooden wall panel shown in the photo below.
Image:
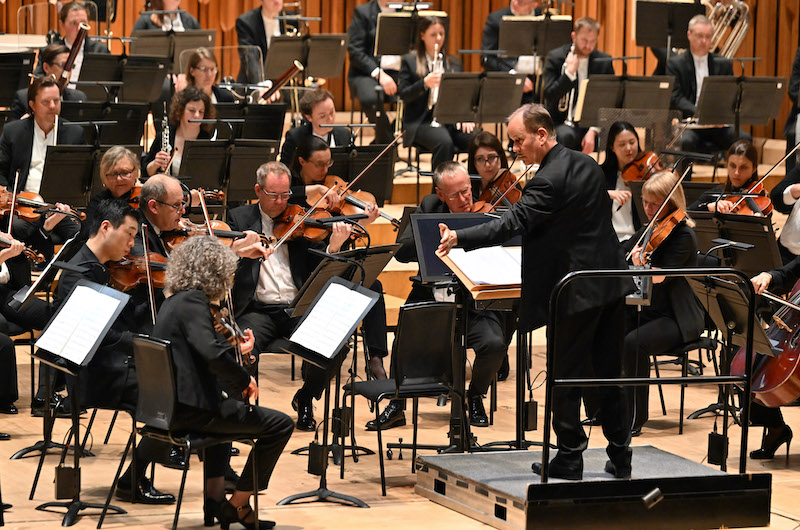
(773, 35)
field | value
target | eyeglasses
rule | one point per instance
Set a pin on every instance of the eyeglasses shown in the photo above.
(276, 196)
(120, 174)
(462, 193)
(322, 165)
(206, 69)
(178, 207)
(486, 160)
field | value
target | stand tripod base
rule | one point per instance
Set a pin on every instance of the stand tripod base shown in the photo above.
(324, 494)
(716, 409)
(361, 450)
(42, 446)
(74, 507)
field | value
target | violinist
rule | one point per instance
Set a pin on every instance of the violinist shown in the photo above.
(199, 273)
(488, 332)
(52, 58)
(622, 148)
(109, 381)
(419, 75)
(318, 109)
(178, 21)
(119, 172)
(263, 289)
(23, 146)
(674, 316)
(742, 175)
(202, 71)
(191, 103)
(487, 159)
(785, 197)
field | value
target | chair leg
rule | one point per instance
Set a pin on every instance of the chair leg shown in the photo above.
(492, 400)
(660, 390)
(415, 414)
(116, 479)
(380, 450)
(254, 454)
(110, 427)
(183, 485)
(684, 372)
(292, 372)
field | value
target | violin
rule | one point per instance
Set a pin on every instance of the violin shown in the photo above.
(291, 223)
(221, 230)
(131, 271)
(481, 206)
(752, 205)
(32, 255)
(133, 199)
(352, 202)
(136, 191)
(643, 166)
(30, 206)
(663, 228)
(500, 186)
(227, 327)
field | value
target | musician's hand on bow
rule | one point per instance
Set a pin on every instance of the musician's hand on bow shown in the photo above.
(433, 79)
(194, 198)
(251, 392)
(15, 249)
(466, 126)
(340, 232)
(761, 282)
(588, 142)
(52, 219)
(528, 87)
(448, 241)
(387, 83)
(620, 196)
(720, 206)
(332, 198)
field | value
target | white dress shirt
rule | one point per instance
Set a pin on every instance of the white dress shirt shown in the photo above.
(38, 152)
(275, 283)
(272, 28)
(700, 73)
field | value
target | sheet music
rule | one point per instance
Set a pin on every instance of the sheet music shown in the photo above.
(330, 320)
(490, 265)
(78, 325)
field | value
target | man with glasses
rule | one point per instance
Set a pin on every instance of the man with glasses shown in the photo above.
(318, 110)
(488, 332)
(263, 288)
(53, 58)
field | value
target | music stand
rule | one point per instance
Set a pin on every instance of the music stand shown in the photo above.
(245, 158)
(158, 43)
(203, 164)
(143, 78)
(261, 122)
(660, 21)
(397, 33)
(283, 51)
(326, 54)
(458, 95)
(717, 102)
(761, 99)
(14, 68)
(500, 94)
(533, 35)
(67, 173)
(608, 91)
(100, 67)
(326, 318)
(349, 162)
(130, 118)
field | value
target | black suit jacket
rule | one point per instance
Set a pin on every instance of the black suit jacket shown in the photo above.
(248, 217)
(145, 22)
(250, 32)
(794, 88)
(684, 91)
(556, 84)
(491, 41)
(411, 89)
(564, 217)
(223, 95)
(16, 148)
(203, 359)
(296, 135)
(361, 44)
(19, 107)
(90, 45)
(776, 195)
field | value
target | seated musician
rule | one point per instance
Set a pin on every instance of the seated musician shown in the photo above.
(564, 70)
(180, 21)
(318, 109)
(513, 65)
(776, 432)
(202, 71)
(689, 69)
(486, 159)
(71, 16)
(622, 148)
(742, 175)
(263, 289)
(109, 381)
(371, 79)
(674, 317)
(119, 172)
(790, 127)
(53, 58)
(23, 146)
(190, 103)
(417, 79)
(255, 29)
(784, 198)
(487, 331)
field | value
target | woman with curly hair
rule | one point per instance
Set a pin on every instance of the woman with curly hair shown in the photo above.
(199, 272)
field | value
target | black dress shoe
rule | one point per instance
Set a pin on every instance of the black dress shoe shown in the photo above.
(571, 469)
(234, 451)
(619, 470)
(636, 431)
(176, 458)
(8, 408)
(392, 416)
(305, 414)
(6, 507)
(502, 373)
(5, 436)
(144, 493)
(61, 407)
(477, 414)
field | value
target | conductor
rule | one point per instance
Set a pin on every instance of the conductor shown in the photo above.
(564, 217)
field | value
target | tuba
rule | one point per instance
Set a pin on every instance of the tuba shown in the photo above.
(438, 67)
(730, 19)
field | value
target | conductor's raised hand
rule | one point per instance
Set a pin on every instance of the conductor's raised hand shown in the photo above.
(448, 241)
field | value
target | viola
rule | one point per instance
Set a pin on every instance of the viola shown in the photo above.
(776, 380)
(503, 185)
(131, 271)
(286, 221)
(352, 202)
(32, 255)
(227, 327)
(187, 229)
(644, 165)
(30, 206)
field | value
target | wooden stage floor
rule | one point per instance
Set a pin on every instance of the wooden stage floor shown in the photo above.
(401, 508)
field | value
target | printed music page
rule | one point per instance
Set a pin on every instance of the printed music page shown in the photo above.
(79, 324)
(330, 320)
(490, 265)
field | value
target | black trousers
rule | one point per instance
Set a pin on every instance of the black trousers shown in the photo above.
(31, 233)
(8, 371)
(272, 429)
(710, 140)
(374, 325)
(363, 89)
(487, 335)
(442, 142)
(769, 417)
(570, 136)
(590, 342)
(654, 334)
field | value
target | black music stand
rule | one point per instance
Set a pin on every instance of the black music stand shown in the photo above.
(282, 53)
(130, 118)
(664, 21)
(717, 102)
(336, 335)
(500, 95)
(458, 95)
(349, 162)
(143, 78)
(203, 164)
(397, 33)
(533, 35)
(100, 67)
(71, 359)
(14, 68)
(67, 174)
(245, 158)
(607, 91)
(170, 44)
(261, 122)
(325, 55)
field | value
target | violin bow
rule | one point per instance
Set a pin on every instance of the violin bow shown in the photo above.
(297, 223)
(369, 166)
(761, 181)
(150, 291)
(645, 237)
(500, 198)
(667, 148)
(13, 202)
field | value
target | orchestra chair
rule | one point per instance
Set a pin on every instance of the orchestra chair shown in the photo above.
(156, 407)
(421, 365)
